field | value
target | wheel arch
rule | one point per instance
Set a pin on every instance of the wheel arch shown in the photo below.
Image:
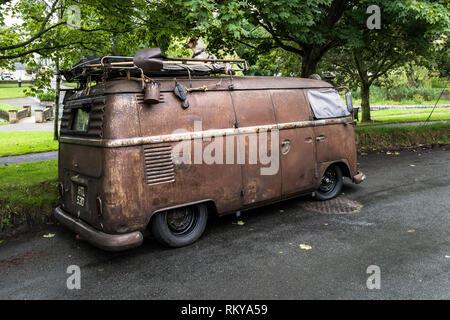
(341, 163)
(210, 203)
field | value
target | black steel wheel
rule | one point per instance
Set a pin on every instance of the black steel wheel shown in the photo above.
(331, 183)
(181, 226)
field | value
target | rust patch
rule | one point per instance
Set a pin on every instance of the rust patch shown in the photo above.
(23, 258)
(334, 206)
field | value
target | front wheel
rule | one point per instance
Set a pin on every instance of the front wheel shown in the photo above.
(180, 227)
(331, 183)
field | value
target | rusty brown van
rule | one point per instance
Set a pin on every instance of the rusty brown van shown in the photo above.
(118, 176)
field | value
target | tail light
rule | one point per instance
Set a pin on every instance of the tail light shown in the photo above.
(98, 203)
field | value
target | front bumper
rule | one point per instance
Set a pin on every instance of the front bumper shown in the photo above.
(105, 241)
(359, 177)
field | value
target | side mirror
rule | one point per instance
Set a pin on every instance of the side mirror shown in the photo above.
(348, 99)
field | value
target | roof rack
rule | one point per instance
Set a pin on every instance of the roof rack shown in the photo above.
(149, 63)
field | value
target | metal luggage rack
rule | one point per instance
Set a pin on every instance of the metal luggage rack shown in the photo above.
(108, 67)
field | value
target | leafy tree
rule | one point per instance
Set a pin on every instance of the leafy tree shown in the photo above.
(409, 29)
(308, 29)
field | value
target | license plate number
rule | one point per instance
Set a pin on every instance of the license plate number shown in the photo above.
(81, 196)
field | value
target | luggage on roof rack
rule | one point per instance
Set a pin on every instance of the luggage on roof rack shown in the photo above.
(149, 63)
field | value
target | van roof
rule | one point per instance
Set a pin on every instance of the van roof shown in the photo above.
(212, 84)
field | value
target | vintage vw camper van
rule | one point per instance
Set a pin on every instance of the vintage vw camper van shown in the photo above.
(164, 151)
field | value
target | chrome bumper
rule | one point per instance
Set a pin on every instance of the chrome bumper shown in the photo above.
(359, 177)
(105, 241)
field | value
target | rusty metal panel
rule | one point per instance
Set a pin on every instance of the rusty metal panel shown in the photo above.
(121, 117)
(255, 108)
(290, 106)
(220, 183)
(298, 162)
(207, 110)
(81, 159)
(123, 190)
(335, 142)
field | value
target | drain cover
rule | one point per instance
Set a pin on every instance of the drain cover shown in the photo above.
(334, 206)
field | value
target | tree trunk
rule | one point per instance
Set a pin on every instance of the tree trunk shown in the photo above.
(365, 102)
(310, 60)
(57, 94)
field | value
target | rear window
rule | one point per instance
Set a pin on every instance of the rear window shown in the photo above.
(327, 104)
(80, 119)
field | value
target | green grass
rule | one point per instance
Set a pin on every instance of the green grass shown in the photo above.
(28, 193)
(6, 107)
(405, 119)
(12, 91)
(357, 102)
(22, 142)
(379, 138)
(393, 112)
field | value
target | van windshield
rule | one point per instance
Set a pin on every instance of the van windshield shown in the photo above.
(327, 104)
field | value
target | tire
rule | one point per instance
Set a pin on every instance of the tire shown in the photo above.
(180, 227)
(331, 183)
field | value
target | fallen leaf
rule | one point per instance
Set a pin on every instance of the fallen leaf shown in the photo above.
(239, 223)
(411, 230)
(305, 247)
(1, 241)
(48, 235)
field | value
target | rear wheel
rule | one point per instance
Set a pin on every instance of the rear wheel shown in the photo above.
(331, 183)
(180, 227)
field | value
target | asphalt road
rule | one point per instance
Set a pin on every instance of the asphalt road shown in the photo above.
(403, 228)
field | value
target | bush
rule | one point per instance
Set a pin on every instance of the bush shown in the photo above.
(376, 94)
(411, 93)
(439, 83)
(47, 96)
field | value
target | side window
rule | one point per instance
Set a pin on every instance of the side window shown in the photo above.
(327, 104)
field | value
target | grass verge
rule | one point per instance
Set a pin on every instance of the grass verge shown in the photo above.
(22, 142)
(404, 119)
(382, 138)
(357, 102)
(12, 91)
(28, 194)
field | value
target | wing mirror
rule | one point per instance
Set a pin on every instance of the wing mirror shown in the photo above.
(348, 99)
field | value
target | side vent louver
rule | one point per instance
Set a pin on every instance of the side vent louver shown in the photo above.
(158, 164)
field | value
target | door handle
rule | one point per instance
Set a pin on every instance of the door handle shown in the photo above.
(320, 138)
